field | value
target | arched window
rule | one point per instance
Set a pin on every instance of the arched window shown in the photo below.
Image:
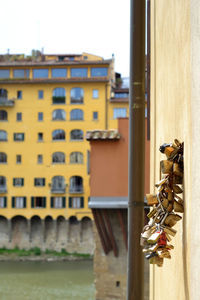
(76, 158)
(76, 134)
(58, 135)
(3, 115)
(3, 158)
(59, 114)
(3, 135)
(58, 157)
(58, 184)
(76, 184)
(59, 96)
(3, 93)
(3, 188)
(76, 95)
(76, 114)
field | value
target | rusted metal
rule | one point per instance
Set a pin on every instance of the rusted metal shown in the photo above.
(104, 230)
(123, 228)
(103, 243)
(111, 235)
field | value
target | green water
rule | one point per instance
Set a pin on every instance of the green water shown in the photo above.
(46, 280)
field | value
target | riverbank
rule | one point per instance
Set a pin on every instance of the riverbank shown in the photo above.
(36, 254)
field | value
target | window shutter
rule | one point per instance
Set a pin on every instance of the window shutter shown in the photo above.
(5, 201)
(43, 181)
(70, 201)
(13, 181)
(44, 201)
(63, 202)
(32, 202)
(23, 181)
(52, 202)
(13, 202)
(82, 202)
(24, 201)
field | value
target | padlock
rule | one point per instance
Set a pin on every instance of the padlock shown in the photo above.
(179, 199)
(152, 213)
(156, 260)
(178, 207)
(167, 149)
(162, 241)
(170, 207)
(177, 179)
(161, 182)
(164, 254)
(151, 199)
(165, 202)
(168, 237)
(166, 166)
(169, 230)
(177, 189)
(170, 220)
(154, 237)
(177, 170)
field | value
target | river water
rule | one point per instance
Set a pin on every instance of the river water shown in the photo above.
(71, 280)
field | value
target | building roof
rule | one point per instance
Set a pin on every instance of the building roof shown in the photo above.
(103, 135)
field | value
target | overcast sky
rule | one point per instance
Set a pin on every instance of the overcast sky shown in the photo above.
(68, 26)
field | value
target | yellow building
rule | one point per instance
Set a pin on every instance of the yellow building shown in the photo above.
(47, 103)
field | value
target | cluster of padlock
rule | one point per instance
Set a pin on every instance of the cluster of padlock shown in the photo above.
(158, 233)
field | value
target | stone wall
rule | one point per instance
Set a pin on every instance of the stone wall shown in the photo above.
(71, 235)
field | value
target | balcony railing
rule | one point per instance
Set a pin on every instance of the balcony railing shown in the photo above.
(5, 102)
(58, 190)
(76, 190)
(3, 189)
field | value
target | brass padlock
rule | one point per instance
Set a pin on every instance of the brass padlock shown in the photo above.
(169, 230)
(177, 170)
(177, 179)
(151, 199)
(178, 207)
(166, 166)
(167, 149)
(170, 207)
(152, 213)
(177, 189)
(165, 202)
(154, 237)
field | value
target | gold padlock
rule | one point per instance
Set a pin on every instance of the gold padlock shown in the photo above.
(177, 179)
(170, 207)
(170, 230)
(166, 166)
(152, 213)
(165, 202)
(177, 189)
(151, 199)
(178, 207)
(177, 170)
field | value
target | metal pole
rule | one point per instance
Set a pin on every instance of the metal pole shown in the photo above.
(135, 282)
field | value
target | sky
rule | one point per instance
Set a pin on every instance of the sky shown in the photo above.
(68, 26)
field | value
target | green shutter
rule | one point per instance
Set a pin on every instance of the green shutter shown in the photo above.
(13, 181)
(63, 202)
(70, 201)
(32, 202)
(13, 202)
(44, 181)
(22, 181)
(44, 201)
(5, 201)
(52, 206)
(24, 202)
(82, 202)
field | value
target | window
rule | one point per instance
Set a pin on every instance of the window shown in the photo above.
(58, 202)
(76, 202)
(76, 114)
(58, 185)
(99, 72)
(59, 115)
(3, 158)
(76, 95)
(40, 136)
(55, 73)
(4, 73)
(38, 202)
(18, 181)
(119, 113)
(3, 202)
(121, 95)
(95, 115)
(3, 115)
(58, 158)
(19, 137)
(39, 181)
(40, 73)
(3, 93)
(40, 94)
(18, 159)
(40, 159)
(76, 158)
(76, 184)
(19, 94)
(3, 135)
(76, 134)
(3, 186)
(19, 116)
(19, 202)
(40, 116)
(95, 94)
(20, 73)
(79, 72)
(59, 96)
(58, 135)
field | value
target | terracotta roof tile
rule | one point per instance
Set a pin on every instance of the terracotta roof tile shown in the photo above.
(103, 135)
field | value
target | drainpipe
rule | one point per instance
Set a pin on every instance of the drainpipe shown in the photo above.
(135, 280)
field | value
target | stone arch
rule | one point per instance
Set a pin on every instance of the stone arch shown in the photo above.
(50, 232)
(74, 230)
(4, 231)
(20, 234)
(37, 234)
(62, 231)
